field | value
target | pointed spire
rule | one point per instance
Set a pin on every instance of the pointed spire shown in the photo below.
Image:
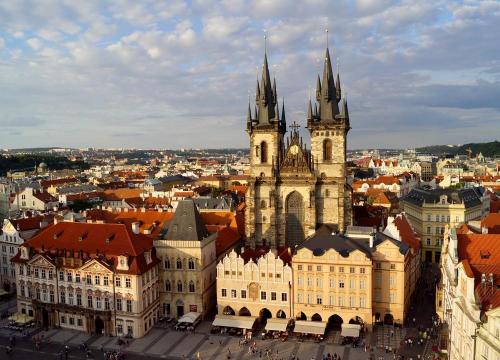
(277, 112)
(275, 94)
(249, 114)
(257, 91)
(283, 118)
(339, 91)
(318, 89)
(316, 109)
(309, 111)
(345, 110)
(328, 108)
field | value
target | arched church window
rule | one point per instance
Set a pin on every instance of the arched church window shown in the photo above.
(191, 286)
(179, 286)
(167, 286)
(263, 204)
(263, 152)
(327, 149)
(179, 263)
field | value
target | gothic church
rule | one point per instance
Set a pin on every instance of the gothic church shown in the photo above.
(294, 190)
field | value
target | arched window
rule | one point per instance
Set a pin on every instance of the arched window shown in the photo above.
(179, 286)
(167, 263)
(327, 149)
(168, 286)
(191, 264)
(191, 286)
(263, 152)
(263, 204)
(179, 263)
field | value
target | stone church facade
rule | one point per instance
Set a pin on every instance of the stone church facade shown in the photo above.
(295, 189)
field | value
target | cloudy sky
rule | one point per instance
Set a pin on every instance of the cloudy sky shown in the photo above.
(171, 74)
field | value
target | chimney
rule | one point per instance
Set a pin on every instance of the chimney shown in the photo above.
(492, 280)
(483, 279)
(135, 227)
(372, 238)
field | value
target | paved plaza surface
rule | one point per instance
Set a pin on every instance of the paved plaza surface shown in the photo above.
(166, 343)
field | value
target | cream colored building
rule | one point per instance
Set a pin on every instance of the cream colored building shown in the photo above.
(360, 277)
(188, 271)
(96, 278)
(254, 288)
(469, 294)
(429, 211)
(32, 199)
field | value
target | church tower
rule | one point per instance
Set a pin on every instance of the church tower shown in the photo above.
(266, 130)
(328, 125)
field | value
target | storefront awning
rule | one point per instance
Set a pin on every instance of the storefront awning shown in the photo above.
(240, 322)
(190, 317)
(277, 324)
(310, 327)
(20, 318)
(350, 330)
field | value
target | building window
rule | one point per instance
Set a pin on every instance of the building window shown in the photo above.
(319, 282)
(392, 296)
(309, 281)
(167, 263)
(299, 267)
(42, 272)
(273, 296)
(106, 304)
(299, 281)
(89, 279)
(78, 299)
(309, 299)
(352, 283)
(128, 283)
(392, 280)
(318, 268)
(263, 152)
(341, 301)
(327, 149)
(97, 280)
(352, 270)
(118, 282)
(341, 284)
(341, 269)
(429, 217)
(77, 277)
(352, 301)
(37, 274)
(361, 270)
(105, 280)
(70, 298)
(167, 285)
(332, 268)
(62, 295)
(331, 300)
(61, 275)
(89, 301)
(362, 284)
(299, 298)
(69, 276)
(233, 293)
(378, 265)
(179, 264)
(98, 303)
(428, 242)
(362, 302)
(393, 266)
(332, 282)
(224, 292)
(79, 322)
(191, 287)
(119, 304)
(284, 296)
(319, 300)
(179, 286)
(263, 295)
(63, 319)
(243, 294)
(428, 229)
(191, 264)
(129, 305)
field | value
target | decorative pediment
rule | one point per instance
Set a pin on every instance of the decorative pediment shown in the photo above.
(39, 261)
(95, 266)
(296, 159)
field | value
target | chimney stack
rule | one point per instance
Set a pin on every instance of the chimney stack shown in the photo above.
(135, 227)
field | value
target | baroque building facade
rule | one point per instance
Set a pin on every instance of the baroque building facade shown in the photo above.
(294, 190)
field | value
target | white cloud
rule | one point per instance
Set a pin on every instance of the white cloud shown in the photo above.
(34, 43)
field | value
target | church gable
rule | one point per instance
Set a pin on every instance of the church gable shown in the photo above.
(297, 158)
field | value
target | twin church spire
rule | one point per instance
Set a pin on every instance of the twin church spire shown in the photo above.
(266, 114)
(328, 96)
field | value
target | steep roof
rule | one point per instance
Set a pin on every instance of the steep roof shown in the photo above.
(31, 223)
(121, 193)
(408, 235)
(470, 197)
(492, 223)
(186, 223)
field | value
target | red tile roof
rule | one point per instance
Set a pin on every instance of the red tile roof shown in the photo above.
(482, 253)
(44, 196)
(492, 223)
(31, 223)
(48, 183)
(94, 240)
(121, 193)
(408, 235)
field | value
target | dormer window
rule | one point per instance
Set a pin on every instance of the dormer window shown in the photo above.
(122, 263)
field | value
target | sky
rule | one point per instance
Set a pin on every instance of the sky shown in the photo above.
(179, 74)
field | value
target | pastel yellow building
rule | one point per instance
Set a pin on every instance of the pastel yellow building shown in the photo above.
(429, 211)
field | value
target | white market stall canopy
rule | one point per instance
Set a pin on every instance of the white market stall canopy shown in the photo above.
(310, 327)
(350, 330)
(277, 324)
(240, 322)
(190, 317)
